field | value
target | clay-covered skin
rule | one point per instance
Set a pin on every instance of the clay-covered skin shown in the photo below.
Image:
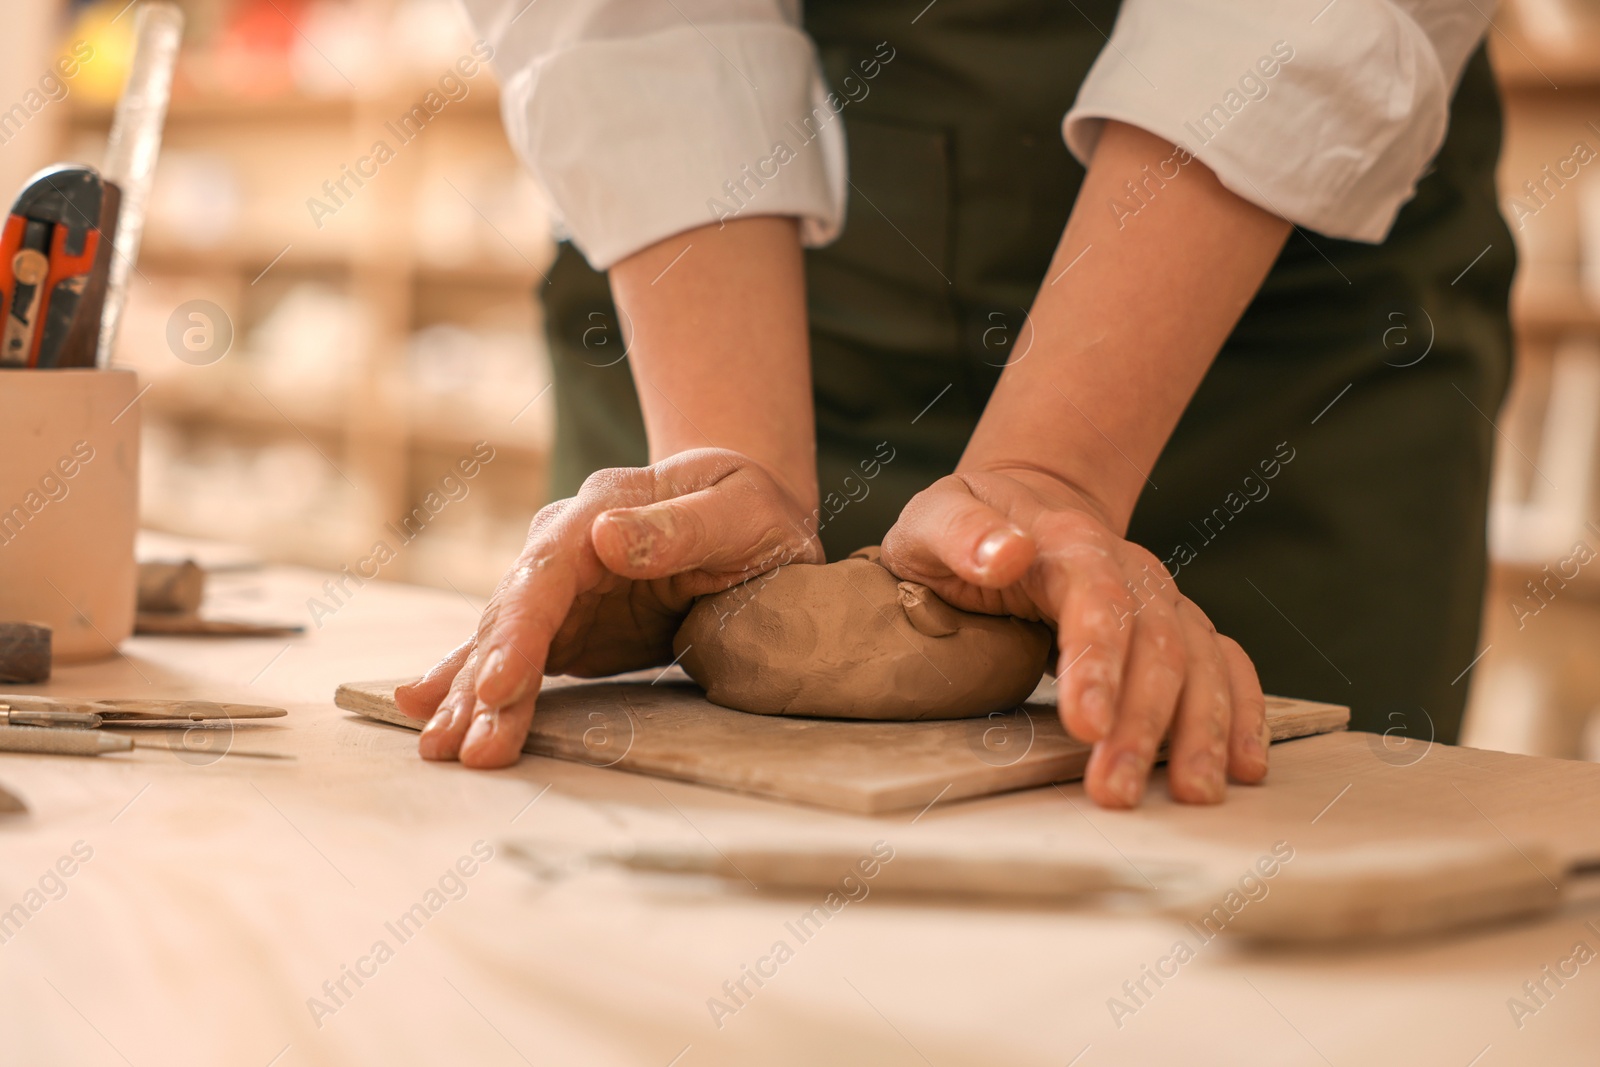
(848, 640)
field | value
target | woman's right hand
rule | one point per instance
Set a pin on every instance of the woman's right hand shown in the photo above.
(601, 586)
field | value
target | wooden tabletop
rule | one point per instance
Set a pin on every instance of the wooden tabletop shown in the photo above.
(216, 906)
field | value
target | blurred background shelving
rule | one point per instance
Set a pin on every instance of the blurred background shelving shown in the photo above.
(1536, 687)
(373, 347)
(376, 339)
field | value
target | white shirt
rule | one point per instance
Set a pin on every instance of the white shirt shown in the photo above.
(633, 115)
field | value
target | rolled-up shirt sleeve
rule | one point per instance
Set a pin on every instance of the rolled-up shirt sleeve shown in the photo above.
(1323, 115)
(640, 119)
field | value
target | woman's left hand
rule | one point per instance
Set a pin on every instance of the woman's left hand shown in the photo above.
(1136, 657)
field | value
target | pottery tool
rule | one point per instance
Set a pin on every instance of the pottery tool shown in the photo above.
(170, 595)
(94, 713)
(55, 253)
(137, 709)
(86, 720)
(171, 588)
(1393, 889)
(135, 140)
(671, 730)
(73, 233)
(43, 741)
(976, 871)
(161, 624)
(73, 741)
(24, 653)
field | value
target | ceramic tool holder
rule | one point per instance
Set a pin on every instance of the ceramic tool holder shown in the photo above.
(69, 505)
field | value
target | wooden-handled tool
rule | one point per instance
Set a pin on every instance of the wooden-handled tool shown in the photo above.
(1393, 889)
(134, 712)
(76, 741)
(942, 872)
(74, 727)
(972, 871)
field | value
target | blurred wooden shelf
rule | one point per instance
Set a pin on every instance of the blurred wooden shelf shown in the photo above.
(164, 255)
(483, 101)
(230, 400)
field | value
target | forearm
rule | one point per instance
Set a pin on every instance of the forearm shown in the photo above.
(716, 326)
(1135, 307)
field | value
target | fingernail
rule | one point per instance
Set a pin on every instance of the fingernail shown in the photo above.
(990, 547)
(443, 719)
(1126, 783)
(1255, 748)
(1207, 770)
(1096, 706)
(494, 674)
(643, 535)
(492, 666)
(483, 727)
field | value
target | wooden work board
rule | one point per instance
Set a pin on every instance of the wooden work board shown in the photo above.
(663, 725)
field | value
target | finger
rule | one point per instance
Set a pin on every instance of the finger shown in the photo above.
(1249, 739)
(528, 608)
(441, 738)
(496, 735)
(1121, 763)
(736, 525)
(946, 530)
(1095, 620)
(420, 699)
(1198, 756)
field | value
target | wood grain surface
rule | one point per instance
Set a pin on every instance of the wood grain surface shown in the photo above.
(222, 894)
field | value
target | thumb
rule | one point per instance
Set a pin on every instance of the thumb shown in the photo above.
(946, 529)
(712, 529)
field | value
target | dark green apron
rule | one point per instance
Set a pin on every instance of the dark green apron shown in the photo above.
(1324, 496)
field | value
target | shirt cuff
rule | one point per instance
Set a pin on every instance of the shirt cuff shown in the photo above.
(1328, 125)
(636, 139)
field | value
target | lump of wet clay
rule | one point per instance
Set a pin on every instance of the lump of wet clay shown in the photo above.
(849, 640)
